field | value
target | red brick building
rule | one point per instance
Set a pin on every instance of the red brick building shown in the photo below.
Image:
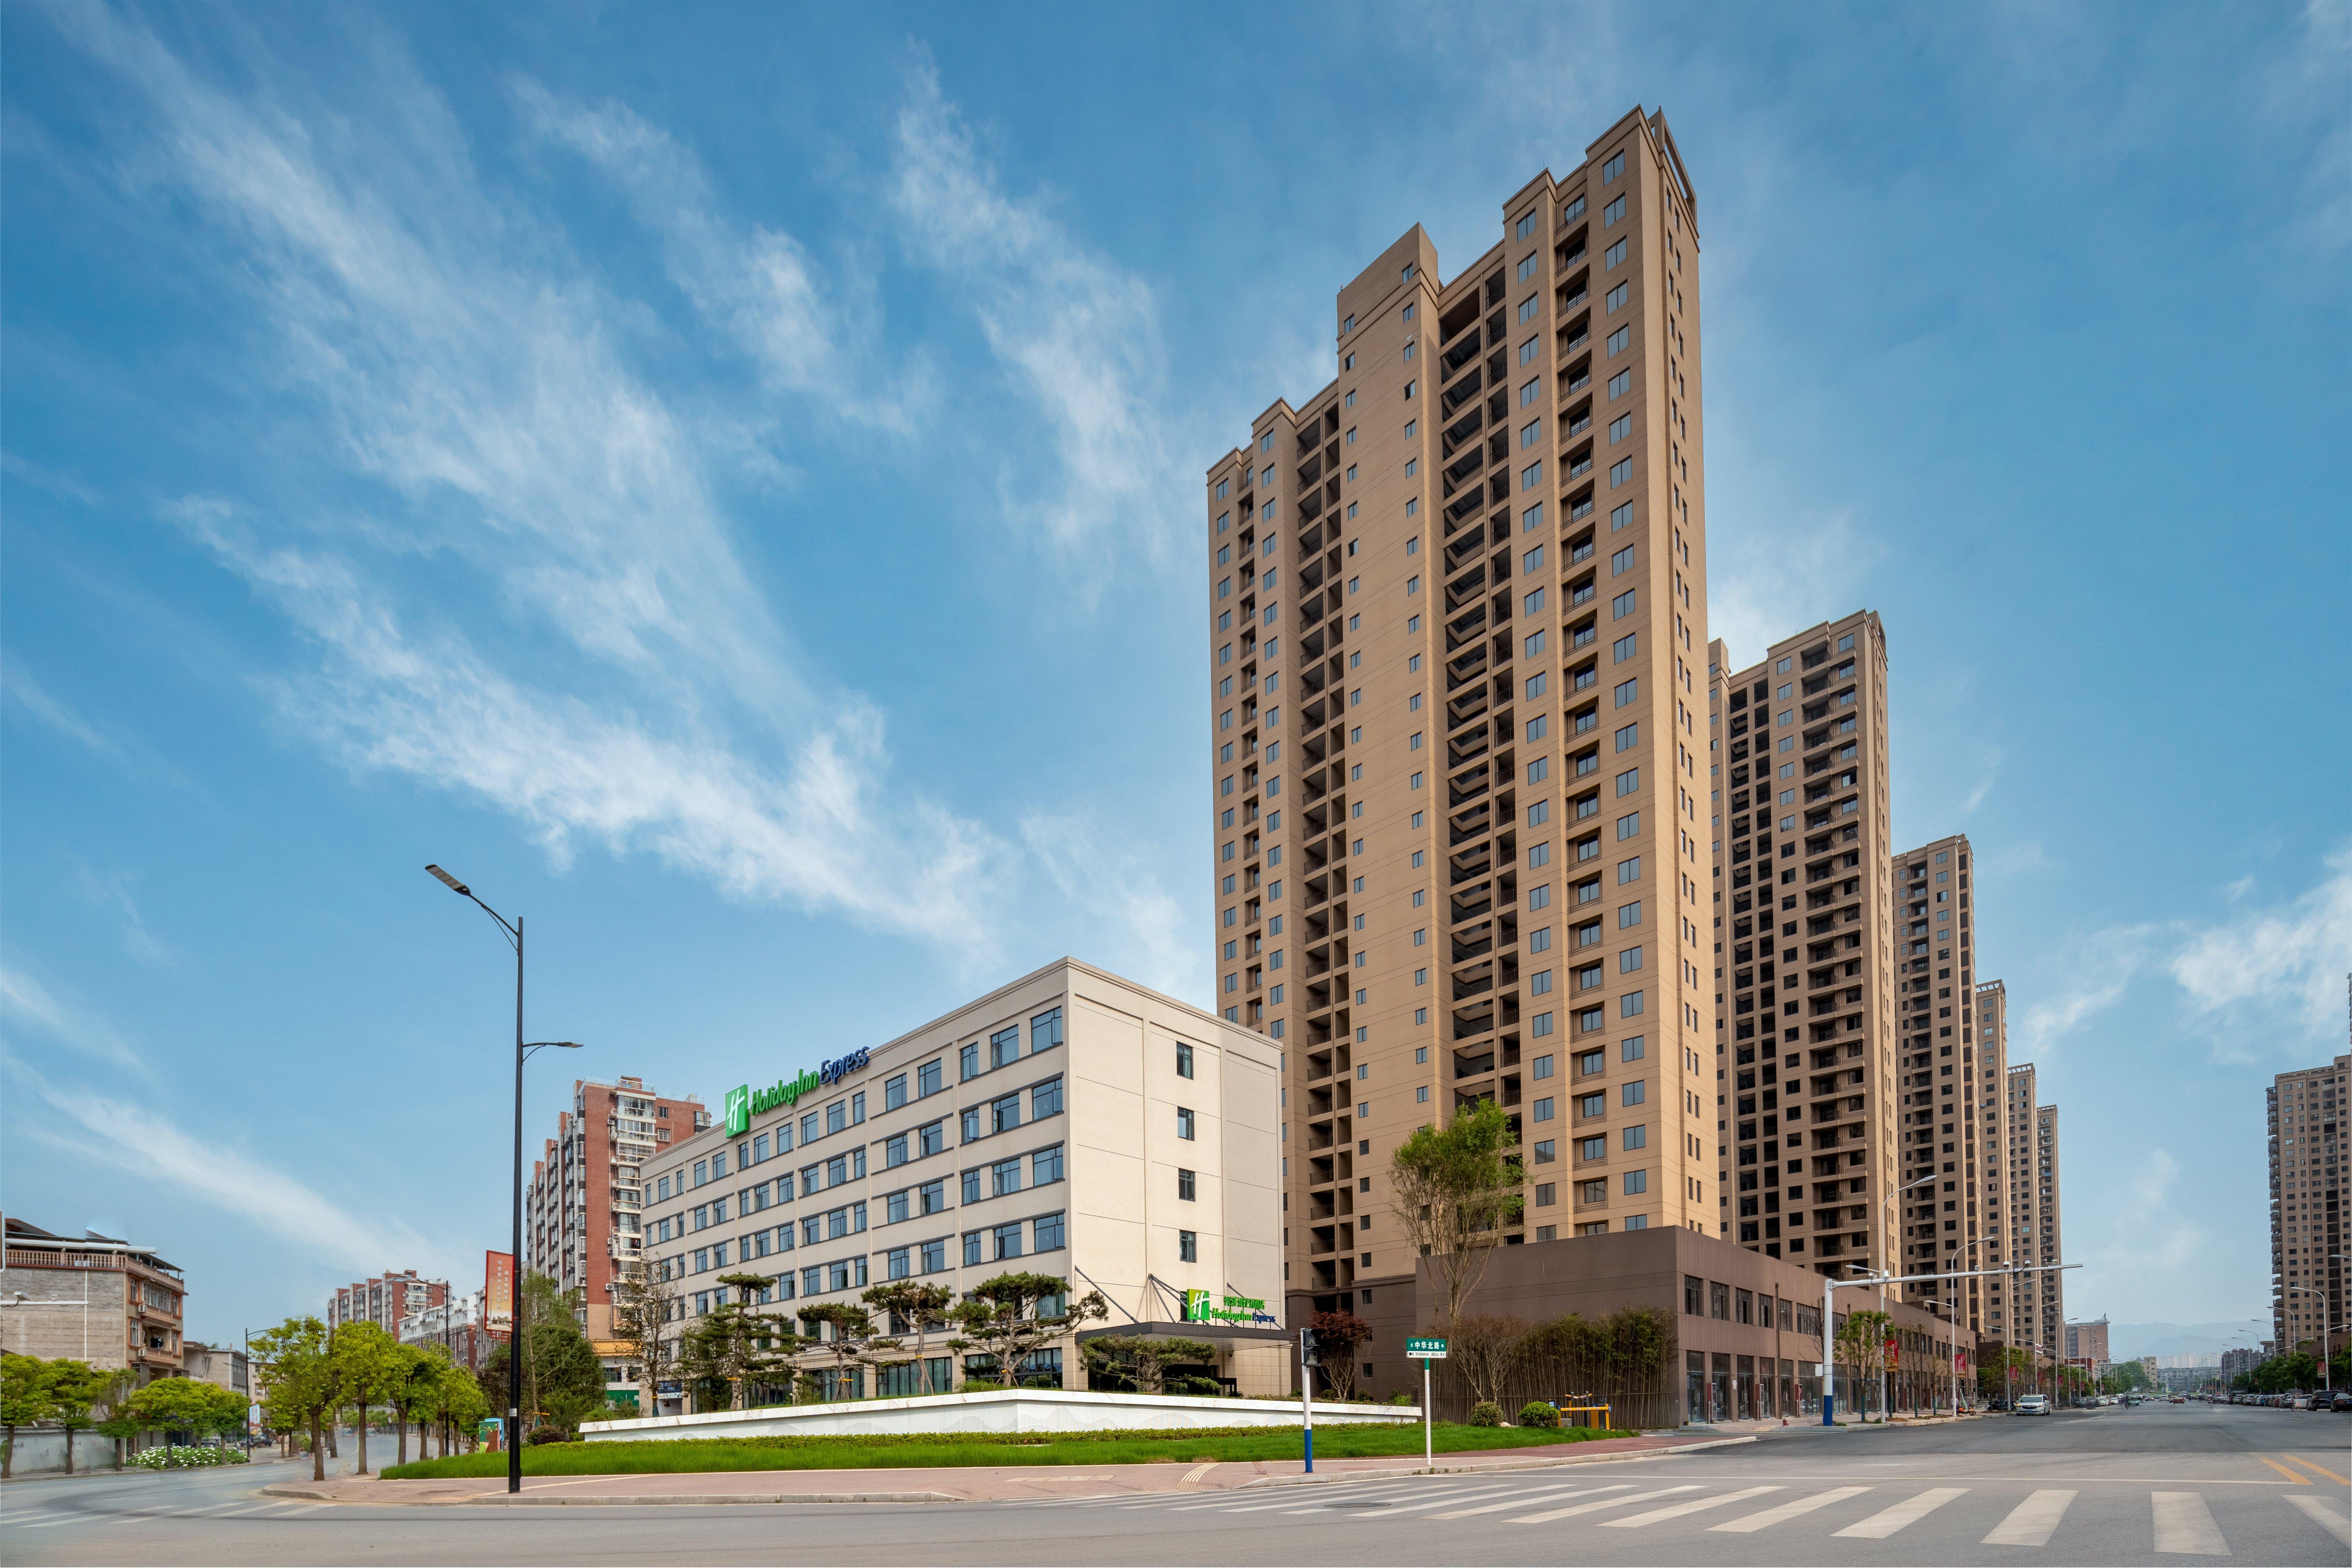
(581, 1210)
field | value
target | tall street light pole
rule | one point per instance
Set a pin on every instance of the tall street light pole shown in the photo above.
(513, 933)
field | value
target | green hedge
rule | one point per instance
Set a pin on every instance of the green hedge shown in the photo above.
(917, 1450)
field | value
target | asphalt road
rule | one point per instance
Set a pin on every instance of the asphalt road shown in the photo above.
(2161, 1484)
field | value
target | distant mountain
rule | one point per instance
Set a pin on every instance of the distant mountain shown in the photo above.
(2129, 1342)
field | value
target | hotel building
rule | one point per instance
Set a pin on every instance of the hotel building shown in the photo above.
(1070, 1123)
(1457, 605)
(1804, 1002)
(2306, 1112)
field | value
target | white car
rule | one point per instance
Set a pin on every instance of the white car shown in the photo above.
(2032, 1404)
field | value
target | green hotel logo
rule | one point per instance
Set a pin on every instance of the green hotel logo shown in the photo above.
(739, 1110)
(1200, 1306)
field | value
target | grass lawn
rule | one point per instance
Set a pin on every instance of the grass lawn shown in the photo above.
(918, 1450)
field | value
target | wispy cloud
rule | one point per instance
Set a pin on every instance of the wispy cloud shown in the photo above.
(128, 1135)
(1077, 334)
(471, 371)
(2290, 960)
(64, 487)
(18, 687)
(111, 890)
(1115, 888)
(2280, 970)
(808, 334)
(26, 1003)
(1770, 586)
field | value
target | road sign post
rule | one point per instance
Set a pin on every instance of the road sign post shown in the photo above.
(1307, 1361)
(1425, 1352)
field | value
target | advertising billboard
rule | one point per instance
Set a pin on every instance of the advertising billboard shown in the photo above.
(498, 1292)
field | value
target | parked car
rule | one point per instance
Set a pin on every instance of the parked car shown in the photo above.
(2032, 1404)
(2342, 1402)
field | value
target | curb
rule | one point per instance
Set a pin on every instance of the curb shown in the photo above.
(1561, 1462)
(525, 1499)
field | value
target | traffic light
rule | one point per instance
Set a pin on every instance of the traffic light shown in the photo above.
(1307, 1355)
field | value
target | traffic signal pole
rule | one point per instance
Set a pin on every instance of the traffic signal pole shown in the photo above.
(1306, 1389)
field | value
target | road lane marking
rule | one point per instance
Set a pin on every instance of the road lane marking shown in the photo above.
(1676, 1511)
(2327, 1518)
(2298, 1479)
(2030, 1522)
(1787, 1511)
(1192, 1504)
(1531, 1497)
(1197, 1471)
(2323, 1469)
(1335, 1507)
(1604, 1502)
(1909, 1512)
(2184, 1524)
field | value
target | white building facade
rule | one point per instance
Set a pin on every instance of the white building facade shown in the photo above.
(1070, 1123)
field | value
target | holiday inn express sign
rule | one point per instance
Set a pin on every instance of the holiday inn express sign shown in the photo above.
(1199, 1308)
(745, 1102)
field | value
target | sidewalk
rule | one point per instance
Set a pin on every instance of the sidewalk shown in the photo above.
(969, 1483)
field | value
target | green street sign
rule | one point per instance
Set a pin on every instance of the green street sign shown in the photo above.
(1424, 1349)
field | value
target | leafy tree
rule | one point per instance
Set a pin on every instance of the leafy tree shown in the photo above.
(1337, 1336)
(922, 1306)
(643, 1302)
(367, 1362)
(1861, 1344)
(458, 1403)
(186, 1405)
(26, 1400)
(302, 1384)
(1453, 1192)
(411, 1388)
(1005, 1317)
(76, 1387)
(853, 1332)
(557, 1359)
(1143, 1359)
(732, 1345)
(1487, 1349)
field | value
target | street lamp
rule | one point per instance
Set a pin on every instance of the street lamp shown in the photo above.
(513, 933)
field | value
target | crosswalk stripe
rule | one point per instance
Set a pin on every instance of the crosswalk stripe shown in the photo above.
(2327, 1518)
(2184, 1524)
(2030, 1522)
(1523, 1502)
(1909, 1512)
(1676, 1511)
(1192, 1502)
(1400, 1508)
(1787, 1511)
(1547, 1517)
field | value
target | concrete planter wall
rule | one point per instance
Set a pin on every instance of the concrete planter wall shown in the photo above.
(997, 1410)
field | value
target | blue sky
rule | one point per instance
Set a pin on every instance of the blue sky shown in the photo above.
(725, 491)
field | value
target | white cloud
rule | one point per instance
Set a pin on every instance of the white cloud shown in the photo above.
(137, 1139)
(16, 683)
(2292, 960)
(808, 335)
(1115, 888)
(64, 487)
(25, 1002)
(2094, 975)
(2139, 1228)
(1078, 334)
(467, 367)
(1766, 586)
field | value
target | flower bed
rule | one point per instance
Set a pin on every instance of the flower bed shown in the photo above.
(180, 1458)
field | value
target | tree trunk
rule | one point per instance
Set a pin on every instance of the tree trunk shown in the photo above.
(69, 1432)
(400, 1420)
(359, 1436)
(334, 1428)
(317, 1451)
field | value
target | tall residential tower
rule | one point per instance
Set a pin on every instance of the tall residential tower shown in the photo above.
(1803, 998)
(1458, 602)
(2307, 1133)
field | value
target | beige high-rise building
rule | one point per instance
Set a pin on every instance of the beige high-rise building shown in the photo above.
(2307, 1133)
(1804, 1010)
(1991, 1146)
(2029, 1308)
(1953, 1060)
(1457, 602)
